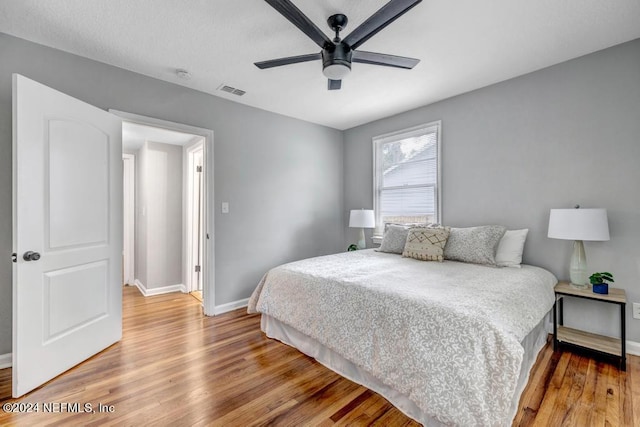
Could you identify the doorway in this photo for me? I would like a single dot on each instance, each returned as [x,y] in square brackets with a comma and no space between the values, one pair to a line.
[173,222]
[71,215]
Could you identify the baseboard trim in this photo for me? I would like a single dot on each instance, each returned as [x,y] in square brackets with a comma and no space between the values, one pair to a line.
[5,361]
[230,306]
[158,291]
[633,347]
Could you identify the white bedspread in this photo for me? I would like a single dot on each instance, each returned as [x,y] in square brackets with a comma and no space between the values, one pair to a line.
[445,334]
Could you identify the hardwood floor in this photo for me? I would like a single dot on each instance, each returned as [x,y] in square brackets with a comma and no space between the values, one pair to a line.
[177,367]
[197,295]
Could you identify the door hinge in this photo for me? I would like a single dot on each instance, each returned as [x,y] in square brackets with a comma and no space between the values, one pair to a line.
[197,269]
[198,168]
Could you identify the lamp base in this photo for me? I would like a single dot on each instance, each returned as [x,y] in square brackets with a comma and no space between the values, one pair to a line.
[578,267]
[362,244]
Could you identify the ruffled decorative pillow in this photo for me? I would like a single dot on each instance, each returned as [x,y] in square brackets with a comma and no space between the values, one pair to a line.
[426,244]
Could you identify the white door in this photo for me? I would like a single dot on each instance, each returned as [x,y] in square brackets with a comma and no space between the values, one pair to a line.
[67,209]
[196,210]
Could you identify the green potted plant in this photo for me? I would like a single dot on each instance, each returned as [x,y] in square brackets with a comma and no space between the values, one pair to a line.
[599,282]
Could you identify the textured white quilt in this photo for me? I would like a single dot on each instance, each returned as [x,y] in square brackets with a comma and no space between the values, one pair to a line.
[447,335]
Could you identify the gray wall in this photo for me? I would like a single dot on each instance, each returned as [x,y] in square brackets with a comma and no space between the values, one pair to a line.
[560,136]
[282,177]
[159,215]
[563,135]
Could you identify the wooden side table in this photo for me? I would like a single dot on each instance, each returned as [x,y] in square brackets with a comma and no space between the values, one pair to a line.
[594,342]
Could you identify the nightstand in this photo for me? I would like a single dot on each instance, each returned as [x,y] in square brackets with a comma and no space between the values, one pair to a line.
[586,340]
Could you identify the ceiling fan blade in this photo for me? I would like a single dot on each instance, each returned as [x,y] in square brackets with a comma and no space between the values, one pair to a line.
[288,60]
[376,22]
[334,84]
[384,59]
[300,20]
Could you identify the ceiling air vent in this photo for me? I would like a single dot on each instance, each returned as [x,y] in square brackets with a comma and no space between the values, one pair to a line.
[232,90]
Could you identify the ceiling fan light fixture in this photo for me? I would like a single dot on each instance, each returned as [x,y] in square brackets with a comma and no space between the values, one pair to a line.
[338,53]
[336,62]
[336,71]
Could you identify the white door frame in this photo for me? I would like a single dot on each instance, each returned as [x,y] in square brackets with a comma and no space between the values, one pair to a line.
[188,211]
[129,168]
[208,268]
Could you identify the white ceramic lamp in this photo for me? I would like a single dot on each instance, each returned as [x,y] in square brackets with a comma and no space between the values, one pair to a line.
[362,218]
[579,225]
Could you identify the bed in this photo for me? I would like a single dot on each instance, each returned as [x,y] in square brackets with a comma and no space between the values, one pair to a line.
[448,343]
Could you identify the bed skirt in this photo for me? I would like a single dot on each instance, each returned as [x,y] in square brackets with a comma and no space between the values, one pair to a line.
[532,344]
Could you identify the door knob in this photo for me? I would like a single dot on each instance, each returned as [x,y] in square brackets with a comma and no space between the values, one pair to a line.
[31,256]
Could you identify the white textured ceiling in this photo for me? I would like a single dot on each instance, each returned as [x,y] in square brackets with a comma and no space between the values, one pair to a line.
[463,45]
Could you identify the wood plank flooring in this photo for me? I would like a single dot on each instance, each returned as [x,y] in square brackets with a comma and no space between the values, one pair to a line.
[177,367]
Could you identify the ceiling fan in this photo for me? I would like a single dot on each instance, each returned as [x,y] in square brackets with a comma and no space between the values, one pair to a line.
[338,54]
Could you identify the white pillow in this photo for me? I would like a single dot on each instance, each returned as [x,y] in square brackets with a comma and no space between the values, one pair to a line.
[510,248]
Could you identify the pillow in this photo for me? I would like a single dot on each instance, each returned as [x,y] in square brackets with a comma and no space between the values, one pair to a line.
[510,248]
[475,245]
[395,236]
[426,244]
[394,242]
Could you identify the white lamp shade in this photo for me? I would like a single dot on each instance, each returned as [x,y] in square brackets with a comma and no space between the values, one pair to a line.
[579,224]
[362,218]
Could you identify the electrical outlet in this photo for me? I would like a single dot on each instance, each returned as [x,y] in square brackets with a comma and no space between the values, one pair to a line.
[636,310]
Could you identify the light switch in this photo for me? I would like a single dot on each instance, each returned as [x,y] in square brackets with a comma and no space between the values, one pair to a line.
[225,207]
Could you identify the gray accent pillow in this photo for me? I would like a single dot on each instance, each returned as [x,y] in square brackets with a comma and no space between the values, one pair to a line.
[394,239]
[475,245]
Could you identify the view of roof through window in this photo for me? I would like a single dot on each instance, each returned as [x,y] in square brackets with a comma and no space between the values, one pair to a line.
[409,179]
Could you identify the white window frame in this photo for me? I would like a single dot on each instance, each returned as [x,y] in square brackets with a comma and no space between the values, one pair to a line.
[378,142]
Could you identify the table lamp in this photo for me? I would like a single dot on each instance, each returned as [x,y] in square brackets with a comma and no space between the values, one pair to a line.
[362,218]
[578,225]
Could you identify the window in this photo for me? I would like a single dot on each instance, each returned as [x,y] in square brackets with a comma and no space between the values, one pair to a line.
[407,176]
